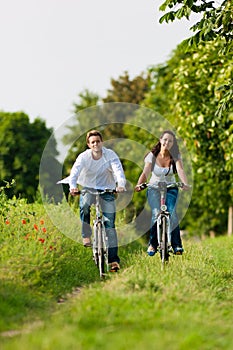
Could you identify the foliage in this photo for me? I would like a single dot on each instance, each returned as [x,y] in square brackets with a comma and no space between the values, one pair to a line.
[216,24]
[38,264]
[128,90]
[21,148]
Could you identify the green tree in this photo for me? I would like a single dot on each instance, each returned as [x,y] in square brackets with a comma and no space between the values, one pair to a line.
[124,89]
[21,148]
[215,24]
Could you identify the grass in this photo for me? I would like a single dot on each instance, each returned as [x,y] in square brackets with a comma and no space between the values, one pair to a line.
[186,305]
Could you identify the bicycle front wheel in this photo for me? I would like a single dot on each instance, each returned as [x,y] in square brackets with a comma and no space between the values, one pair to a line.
[100,249]
[164,246]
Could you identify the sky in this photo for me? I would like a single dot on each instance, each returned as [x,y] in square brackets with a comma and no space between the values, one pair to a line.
[52,50]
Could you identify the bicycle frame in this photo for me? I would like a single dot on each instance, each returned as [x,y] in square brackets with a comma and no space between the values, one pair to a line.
[163,224]
[100,240]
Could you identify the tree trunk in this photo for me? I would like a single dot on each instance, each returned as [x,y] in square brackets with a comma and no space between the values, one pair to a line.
[230,221]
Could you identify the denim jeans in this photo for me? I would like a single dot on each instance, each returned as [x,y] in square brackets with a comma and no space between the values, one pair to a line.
[107,203]
[153,196]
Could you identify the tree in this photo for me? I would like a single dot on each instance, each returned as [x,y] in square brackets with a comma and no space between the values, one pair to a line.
[216,24]
[21,148]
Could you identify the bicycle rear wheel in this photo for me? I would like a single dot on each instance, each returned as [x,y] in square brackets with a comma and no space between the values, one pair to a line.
[164,254]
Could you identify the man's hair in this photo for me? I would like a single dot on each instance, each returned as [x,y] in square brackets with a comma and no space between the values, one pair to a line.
[93,133]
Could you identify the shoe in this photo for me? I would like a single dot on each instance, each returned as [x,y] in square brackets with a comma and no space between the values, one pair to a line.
[87,242]
[151,250]
[114,267]
[178,250]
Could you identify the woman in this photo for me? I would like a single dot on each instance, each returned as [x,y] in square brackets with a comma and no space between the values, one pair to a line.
[163,162]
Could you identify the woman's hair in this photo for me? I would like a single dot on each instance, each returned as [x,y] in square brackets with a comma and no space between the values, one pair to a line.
[93,133]
[174,151]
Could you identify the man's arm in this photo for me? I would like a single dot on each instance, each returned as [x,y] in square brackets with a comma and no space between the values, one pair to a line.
[118,174]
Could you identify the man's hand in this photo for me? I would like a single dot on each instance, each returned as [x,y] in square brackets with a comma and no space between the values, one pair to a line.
[74,191]
[137,188]
[120,189]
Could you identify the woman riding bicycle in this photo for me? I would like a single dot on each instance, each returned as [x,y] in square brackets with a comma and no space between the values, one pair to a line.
[163,162]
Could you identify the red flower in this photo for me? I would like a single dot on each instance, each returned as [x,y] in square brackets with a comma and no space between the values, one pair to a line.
[36,227]
[41,222]
[41,240]
[7,222]
[23,221]
[44,229]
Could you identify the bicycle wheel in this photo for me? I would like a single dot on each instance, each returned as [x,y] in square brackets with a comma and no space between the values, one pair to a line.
[164,250]
[95,245]
[100,249]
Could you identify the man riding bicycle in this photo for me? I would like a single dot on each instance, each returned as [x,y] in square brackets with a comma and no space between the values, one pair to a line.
[98,168]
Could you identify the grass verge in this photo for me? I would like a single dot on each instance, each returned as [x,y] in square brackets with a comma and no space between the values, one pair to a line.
[186,305]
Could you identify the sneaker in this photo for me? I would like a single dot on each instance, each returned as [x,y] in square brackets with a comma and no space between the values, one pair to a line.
[114,267]
[178,250]
[87,242]
[151,250]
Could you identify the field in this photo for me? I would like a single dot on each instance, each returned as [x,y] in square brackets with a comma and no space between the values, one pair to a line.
[52,298]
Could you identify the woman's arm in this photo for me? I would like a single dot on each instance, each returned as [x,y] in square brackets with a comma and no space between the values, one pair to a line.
[143,177]
[181,173]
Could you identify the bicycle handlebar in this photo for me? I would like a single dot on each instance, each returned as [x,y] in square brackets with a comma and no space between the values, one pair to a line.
[95,192]
[162,184]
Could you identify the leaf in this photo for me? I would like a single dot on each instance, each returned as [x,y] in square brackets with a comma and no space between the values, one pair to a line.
[170,16]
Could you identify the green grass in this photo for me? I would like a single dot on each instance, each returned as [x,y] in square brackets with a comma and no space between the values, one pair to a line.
[186,305]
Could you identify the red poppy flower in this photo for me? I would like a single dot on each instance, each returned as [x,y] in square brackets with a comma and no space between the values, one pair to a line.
[35,227]
[23,221]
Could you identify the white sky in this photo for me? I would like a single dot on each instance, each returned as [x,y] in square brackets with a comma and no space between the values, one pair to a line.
[51,50]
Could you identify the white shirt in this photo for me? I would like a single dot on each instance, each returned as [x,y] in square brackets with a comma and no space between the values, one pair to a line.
[159,173]
[103,173]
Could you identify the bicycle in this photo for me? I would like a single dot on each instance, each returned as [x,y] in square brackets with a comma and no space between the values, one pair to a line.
[163,219]
[100,239]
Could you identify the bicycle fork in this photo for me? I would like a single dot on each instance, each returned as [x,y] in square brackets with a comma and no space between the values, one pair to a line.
[164,219]
[166,216]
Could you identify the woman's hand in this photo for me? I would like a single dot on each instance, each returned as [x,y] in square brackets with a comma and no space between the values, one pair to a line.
[186,187]
[137,188]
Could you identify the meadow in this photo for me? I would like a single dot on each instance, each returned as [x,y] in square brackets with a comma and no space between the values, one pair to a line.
[52,297]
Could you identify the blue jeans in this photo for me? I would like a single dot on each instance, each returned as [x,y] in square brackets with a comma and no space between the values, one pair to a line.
[107,203]
[153,197]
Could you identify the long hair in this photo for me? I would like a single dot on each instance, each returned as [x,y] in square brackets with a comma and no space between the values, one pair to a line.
[174,151]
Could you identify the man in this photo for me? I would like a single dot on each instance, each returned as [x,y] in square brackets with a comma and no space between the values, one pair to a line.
[98,168]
